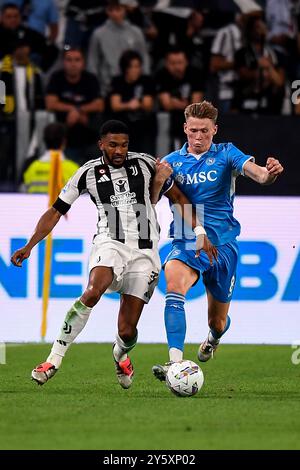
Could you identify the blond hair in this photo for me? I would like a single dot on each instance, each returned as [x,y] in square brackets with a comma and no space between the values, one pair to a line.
[202,110]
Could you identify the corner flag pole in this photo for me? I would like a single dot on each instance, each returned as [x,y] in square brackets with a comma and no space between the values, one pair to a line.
[54,187]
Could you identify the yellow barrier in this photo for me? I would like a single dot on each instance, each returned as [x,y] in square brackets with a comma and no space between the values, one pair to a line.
[55,185]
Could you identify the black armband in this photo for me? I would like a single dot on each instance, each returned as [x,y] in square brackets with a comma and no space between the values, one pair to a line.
[61,206]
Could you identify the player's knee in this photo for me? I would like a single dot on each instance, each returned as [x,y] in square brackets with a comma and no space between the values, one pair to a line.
[91,295]
[176,285]
[217,324]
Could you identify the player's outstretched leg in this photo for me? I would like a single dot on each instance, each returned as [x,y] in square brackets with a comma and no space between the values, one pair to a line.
[175,325]
[123,364]
[75,320]
[100,278]
[209,346]
[219,323]
[130,311]
[160,370]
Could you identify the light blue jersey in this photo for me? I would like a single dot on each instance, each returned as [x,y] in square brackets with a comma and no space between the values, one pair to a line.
[209,184]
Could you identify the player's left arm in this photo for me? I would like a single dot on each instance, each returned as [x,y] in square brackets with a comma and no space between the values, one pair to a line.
[264,175]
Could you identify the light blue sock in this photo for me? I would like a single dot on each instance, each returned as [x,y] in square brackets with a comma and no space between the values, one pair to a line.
[175,320]
[214,335]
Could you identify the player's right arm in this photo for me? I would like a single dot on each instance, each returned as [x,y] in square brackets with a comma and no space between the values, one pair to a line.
[264,175]
[161,181]
[44,226]
[49,219]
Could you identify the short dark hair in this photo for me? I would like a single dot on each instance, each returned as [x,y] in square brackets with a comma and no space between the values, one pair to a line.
[113,3]
[54,135]
[21,42]
[127,57]
[68,48]
[175,50]
[8,6]
[113,127]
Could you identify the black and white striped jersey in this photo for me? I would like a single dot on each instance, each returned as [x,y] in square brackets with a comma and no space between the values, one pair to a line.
[122,198]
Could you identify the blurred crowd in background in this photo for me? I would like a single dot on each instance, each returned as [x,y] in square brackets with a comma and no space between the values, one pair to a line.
[69,65]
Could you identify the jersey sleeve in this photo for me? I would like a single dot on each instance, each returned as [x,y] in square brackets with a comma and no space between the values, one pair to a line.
[237,159]
[71,191]
[150,161]
[168,183]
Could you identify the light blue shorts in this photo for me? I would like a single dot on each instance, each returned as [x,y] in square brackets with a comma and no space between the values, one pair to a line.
[219,278]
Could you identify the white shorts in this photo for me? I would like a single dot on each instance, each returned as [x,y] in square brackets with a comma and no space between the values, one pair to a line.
[135,271]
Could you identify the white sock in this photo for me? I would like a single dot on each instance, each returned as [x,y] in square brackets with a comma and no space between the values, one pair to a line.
[212,340]
[74,323]
[121,348]
[175,354]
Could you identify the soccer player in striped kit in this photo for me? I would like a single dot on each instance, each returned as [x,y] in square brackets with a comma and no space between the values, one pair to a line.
[124,256]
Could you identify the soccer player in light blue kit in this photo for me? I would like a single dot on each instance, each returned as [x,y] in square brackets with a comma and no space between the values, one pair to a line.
[206,172]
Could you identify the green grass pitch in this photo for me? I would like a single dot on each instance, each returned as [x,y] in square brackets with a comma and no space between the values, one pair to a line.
[250,400]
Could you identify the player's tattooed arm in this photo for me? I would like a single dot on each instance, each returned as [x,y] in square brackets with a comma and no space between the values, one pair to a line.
[264,175]
[44,226]
[163,171]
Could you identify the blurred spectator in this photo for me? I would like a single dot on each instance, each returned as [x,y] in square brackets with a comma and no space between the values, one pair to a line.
[23,93]
[83,17]
[74,95]
[178,85]
[109,42]
[12,29]
[280,22]
[261,83]
[18,3]
[249,6]
[132,101]
[227,42]
[43,15]
[137,16]
[282,31]
[194,40]
[171,24]
[37,173]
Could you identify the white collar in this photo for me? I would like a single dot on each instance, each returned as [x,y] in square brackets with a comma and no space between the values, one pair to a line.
[198,155]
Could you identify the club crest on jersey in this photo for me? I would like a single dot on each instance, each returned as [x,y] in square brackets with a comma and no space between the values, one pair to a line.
[210,161]
[180,178]
[134,170]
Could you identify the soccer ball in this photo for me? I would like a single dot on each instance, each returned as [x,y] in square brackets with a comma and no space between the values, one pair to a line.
[184,378]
